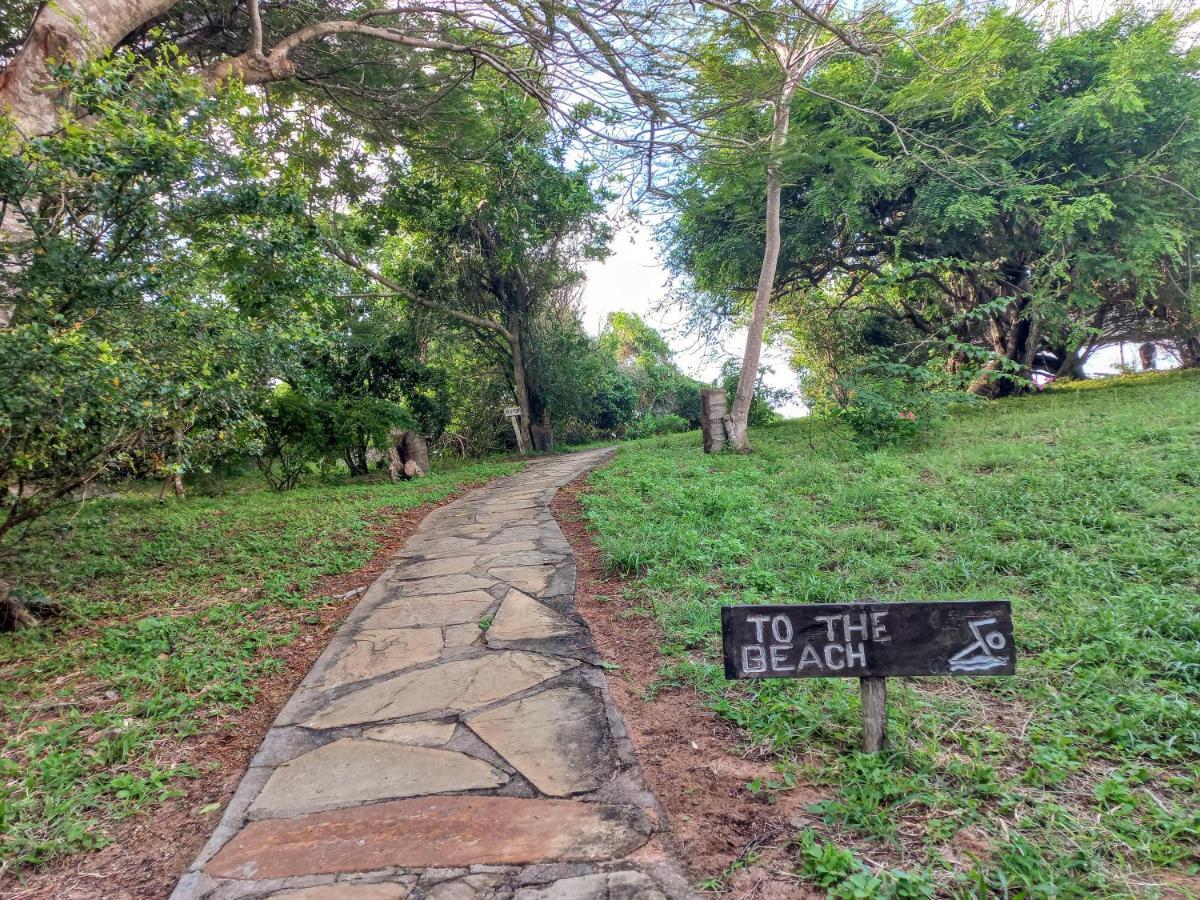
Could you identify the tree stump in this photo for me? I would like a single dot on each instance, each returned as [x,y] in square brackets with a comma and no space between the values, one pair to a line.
[542,437]
[713,403]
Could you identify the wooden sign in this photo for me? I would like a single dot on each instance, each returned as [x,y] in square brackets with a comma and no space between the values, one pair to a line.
[510,411]
[843,640]
[869,641]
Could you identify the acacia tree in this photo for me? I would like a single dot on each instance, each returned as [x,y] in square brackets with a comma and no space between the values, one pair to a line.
[719,84]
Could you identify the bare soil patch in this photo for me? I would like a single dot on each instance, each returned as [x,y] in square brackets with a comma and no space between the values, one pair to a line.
[686,752]
[150,851]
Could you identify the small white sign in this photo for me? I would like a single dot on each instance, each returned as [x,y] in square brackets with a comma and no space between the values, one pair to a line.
[512,411]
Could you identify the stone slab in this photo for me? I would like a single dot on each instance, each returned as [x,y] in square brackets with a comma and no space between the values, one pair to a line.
[442,584]
[458,685]
[629,885]
[357,770]
[349,891]
[431,832]
[530,579]
[379,651]
[520,618]
[425,734]
[448,565]
[463,635]
[437,609]
[558,739]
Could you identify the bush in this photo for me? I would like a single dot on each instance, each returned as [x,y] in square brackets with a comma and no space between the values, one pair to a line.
[298,431]
[650,425]
[890,404]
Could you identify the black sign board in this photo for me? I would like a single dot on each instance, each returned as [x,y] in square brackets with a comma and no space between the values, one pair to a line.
[868,640]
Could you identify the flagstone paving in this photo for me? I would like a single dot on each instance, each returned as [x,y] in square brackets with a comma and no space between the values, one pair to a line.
[456,740]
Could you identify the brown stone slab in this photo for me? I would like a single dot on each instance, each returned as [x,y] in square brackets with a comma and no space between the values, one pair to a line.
[431,832]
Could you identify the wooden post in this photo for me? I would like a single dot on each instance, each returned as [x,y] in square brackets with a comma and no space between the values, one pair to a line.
[874,713]
[517,431]
[712,419]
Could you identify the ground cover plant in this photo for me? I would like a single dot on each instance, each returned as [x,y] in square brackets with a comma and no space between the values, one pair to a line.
[171,616]
[1077,777]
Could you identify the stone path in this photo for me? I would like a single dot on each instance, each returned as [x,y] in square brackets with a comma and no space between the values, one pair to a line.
[456,739]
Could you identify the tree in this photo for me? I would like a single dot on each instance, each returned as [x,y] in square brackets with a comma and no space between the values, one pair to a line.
[1072,217]
[491,244]
[132,340]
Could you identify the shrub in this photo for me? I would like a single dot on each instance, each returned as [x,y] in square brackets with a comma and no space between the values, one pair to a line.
[650,425]
[890,404]
[298,431]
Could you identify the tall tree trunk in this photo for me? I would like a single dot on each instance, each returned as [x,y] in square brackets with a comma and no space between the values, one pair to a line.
[738,420]
[521,384]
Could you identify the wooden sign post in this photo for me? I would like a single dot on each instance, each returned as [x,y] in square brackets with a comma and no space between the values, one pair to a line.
[514,413]
[869,641]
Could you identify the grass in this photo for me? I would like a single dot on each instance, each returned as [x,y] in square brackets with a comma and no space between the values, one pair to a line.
[173,615]
[1080,775]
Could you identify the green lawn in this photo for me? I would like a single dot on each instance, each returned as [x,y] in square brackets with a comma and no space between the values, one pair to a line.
[172,613]
[1082,505]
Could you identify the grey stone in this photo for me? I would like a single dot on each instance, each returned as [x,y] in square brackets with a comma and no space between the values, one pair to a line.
[463,635]
[396,890]
[629,885]
[433,609]
[432,568]
[350,771]
[442,584]
[530,579]
[458,685]
[558,739]
[379,651]
[520,617]
[425,734]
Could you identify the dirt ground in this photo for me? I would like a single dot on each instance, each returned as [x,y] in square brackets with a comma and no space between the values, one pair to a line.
[685,751]
[149,852]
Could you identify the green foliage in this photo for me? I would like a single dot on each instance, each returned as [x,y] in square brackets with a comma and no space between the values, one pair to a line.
[890,404]
[1075,777]
[651,424]
[1020,194]
[129,340]
[765,398]
[173,617]
[298,430]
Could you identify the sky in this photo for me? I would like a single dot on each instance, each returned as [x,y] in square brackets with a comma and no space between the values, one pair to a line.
[633,280]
